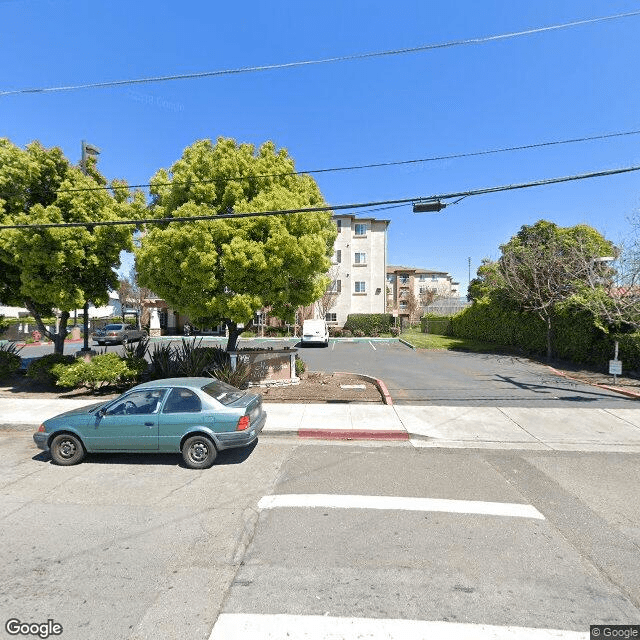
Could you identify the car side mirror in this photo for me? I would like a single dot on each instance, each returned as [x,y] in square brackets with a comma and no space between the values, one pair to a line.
[102,413]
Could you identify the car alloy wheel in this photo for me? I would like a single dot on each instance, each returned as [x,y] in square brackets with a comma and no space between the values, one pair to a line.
[199,452]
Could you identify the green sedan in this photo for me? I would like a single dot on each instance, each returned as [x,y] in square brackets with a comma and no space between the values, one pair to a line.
[194,416]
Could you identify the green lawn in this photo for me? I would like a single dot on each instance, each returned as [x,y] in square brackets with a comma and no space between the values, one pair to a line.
[433,341]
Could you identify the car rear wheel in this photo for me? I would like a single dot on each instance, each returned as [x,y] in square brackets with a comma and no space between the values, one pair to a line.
[66,449]
[199,452]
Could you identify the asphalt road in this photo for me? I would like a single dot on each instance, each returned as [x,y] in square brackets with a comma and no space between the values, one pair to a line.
[127,546]
[436,377]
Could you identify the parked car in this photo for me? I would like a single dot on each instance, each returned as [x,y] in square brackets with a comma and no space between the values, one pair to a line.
[115,333]
[315,332]
[194,416]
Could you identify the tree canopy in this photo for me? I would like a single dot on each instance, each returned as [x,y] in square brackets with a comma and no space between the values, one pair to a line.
[227,269]
[59,268]
[541,267]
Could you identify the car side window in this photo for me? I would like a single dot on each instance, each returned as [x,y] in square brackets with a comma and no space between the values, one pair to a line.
[182,401]
[137,403]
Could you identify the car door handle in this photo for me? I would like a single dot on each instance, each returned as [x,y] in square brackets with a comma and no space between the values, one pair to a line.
[149,424]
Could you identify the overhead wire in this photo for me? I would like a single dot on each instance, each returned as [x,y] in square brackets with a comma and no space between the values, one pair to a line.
[340,207]
[453,156]
[319,61]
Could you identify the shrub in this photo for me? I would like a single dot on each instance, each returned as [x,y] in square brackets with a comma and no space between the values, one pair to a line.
[41,369]
[136,349]
[10,361]
[300,366]
[162,362]
[395,331]
[104,370]
[346,333]
[335,332]
[238,377]
[369,323]
[433,323]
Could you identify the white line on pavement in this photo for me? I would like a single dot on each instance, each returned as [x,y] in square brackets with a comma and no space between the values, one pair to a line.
[371,343]
[282,627]
[400,503]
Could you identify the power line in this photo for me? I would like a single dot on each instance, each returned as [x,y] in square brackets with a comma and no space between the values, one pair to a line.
[340,207]
[303,63]
[375,165]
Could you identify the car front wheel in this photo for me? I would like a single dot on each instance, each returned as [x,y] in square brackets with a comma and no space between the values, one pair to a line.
[199,452]
[66,450]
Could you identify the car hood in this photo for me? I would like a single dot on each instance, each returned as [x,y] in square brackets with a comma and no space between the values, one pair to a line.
[80,411]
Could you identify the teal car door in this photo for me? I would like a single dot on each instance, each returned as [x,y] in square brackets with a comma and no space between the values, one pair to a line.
[182,410]
[128,424]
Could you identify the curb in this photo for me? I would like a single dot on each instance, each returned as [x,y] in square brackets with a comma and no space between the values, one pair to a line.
[629,394]
[352,434]
[382,387]
[407,344]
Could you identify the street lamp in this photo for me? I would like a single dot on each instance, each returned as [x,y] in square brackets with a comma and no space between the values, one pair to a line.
[87,150]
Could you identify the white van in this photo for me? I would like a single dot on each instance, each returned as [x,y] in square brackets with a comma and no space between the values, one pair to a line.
[315,332]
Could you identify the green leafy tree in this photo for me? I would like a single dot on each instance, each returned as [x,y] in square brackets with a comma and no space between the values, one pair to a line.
[225,270]
[544,266]
[59,268]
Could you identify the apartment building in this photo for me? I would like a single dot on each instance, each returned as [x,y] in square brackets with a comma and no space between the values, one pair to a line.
[358,270]
[409,289]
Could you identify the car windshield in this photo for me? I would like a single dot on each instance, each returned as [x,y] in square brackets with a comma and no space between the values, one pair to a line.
[113,327]
[222,392]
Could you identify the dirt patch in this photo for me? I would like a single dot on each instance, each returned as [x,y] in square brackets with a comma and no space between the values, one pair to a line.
[314,387]
[320,387]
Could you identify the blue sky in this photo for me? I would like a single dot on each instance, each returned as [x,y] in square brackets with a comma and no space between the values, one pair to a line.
[578,82]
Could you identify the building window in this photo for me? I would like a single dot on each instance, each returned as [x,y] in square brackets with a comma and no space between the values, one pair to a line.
[337,257]
[403,304]
[360,286]
[391,277]
[361,229]
[423,277]
[361,258]
[339,224]
[331,317]
[434,277]
[335,287]
[404,279]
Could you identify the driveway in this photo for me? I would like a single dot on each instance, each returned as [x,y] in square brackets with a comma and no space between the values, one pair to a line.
[456,378]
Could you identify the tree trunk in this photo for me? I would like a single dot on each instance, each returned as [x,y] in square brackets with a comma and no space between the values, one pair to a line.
[57,338]
[549,338]
[234,334]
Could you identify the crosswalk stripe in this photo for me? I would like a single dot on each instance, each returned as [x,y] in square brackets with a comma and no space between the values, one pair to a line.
[399,503]
[286,627]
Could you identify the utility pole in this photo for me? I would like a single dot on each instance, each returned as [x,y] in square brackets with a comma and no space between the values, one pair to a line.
[87,150]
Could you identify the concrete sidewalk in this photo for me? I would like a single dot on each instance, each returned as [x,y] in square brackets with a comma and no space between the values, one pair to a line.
[571,429]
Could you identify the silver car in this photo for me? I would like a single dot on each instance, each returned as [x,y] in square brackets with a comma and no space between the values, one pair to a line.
[119,333]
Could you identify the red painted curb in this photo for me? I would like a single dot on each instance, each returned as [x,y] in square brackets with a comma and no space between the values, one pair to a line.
[624,392]
[352,434]
[382,387]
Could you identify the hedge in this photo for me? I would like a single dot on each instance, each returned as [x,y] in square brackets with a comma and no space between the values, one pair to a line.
[370,324]
[433,323]
[575,336]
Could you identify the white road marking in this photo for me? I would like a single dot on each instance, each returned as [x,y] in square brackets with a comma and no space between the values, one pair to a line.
[286,627]
[371,343]
[400,503]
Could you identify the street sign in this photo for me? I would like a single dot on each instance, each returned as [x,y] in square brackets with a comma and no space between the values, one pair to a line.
[615,367]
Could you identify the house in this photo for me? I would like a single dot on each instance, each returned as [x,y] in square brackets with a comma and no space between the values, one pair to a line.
[357,270]
[409,290]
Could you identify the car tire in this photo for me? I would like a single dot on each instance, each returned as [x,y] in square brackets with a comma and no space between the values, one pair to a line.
[100,344]
[199,452]
[66,449]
